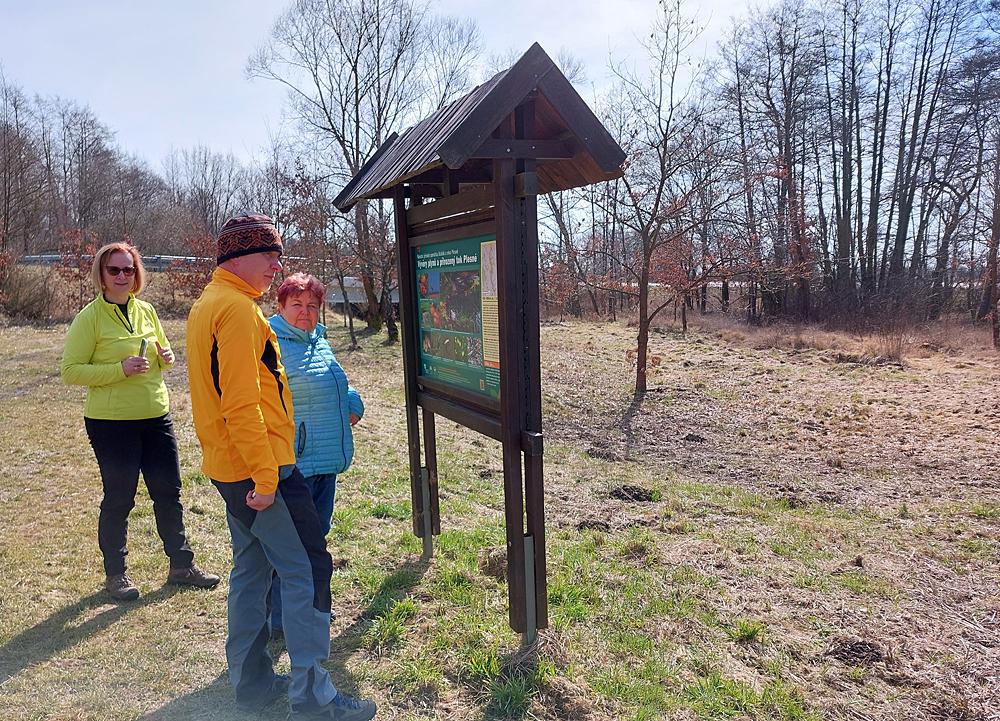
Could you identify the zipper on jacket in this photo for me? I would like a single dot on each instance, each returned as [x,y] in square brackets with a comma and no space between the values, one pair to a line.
[345,423]
[122,316]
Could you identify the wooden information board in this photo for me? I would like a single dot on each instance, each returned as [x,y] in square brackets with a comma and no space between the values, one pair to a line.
[464,184]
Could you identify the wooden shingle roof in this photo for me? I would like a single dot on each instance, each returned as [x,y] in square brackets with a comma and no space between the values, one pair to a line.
[451,137]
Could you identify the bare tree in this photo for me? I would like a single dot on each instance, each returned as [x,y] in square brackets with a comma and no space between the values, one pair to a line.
[355,71]
[663,144]
[21,178]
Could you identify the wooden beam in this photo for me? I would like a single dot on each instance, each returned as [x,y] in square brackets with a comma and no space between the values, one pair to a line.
[462,176]
[507,94]
[450,185]
[580,119]
[408,324]
[457,232]
[424,190]
[451,205]
[532,444]
[430,453]
[511,296]
[534,149]
[526,220]
[477,401]
[526,184]
[483,423]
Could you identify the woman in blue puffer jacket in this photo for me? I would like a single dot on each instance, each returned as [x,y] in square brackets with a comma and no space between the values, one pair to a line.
[326,406]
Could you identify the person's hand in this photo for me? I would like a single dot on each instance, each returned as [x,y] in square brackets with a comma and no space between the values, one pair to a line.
[165,353]
[135,364]
[354,419]
[259,501]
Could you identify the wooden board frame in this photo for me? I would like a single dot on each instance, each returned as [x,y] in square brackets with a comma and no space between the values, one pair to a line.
[485,157]
[507,209]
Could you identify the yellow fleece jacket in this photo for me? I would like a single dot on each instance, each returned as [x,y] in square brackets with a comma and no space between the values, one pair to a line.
[97,342]
[240,400]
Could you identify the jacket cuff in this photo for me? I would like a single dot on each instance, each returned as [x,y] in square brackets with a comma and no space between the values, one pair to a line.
[266,483]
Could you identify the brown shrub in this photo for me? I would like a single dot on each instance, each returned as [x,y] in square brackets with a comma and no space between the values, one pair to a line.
[954,335]
[796,337]
[27,294]
[888,343]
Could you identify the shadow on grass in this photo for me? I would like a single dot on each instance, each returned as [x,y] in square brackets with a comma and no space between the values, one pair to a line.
[394,587]
[213,702]
[25,388]
[367,331]
[59,631]
[628,419]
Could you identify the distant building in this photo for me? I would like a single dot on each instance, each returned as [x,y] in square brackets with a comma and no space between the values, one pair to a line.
[355,295]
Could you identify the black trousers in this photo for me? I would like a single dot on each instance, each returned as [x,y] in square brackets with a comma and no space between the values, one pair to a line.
[123,448]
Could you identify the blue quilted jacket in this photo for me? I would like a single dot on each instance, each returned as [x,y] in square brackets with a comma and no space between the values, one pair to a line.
[321,398]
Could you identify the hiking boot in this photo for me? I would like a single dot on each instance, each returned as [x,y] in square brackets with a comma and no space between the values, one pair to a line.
[278,689]
[342,708]
[121,588]
[193,576]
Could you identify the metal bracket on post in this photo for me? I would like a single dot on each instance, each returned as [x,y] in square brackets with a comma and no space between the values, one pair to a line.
[425,492]
[530,611]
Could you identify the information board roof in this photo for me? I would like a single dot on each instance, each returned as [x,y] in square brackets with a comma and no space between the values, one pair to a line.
[583,152]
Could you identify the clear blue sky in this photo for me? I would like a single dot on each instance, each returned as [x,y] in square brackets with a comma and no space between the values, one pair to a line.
[168,75]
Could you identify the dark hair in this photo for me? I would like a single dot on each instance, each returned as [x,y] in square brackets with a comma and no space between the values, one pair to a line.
[300,283]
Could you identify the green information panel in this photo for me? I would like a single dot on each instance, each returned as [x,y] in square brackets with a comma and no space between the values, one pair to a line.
[459,314]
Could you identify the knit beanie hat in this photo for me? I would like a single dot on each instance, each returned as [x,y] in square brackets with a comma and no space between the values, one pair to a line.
[246,234]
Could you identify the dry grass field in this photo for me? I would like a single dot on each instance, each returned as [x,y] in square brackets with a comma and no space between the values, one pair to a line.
[788,525]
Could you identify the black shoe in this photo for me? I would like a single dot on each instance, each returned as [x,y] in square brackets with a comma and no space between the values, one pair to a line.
[193,576]
[279,689]
[342,708]
[121,588]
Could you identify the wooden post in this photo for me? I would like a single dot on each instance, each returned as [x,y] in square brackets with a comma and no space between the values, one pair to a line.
[510,296]
[526,219]
[430,454]
[429,474]
[408,323]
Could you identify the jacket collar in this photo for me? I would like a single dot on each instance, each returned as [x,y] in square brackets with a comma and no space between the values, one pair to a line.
[284,329]
[108,303]
[113,308]
[221,276]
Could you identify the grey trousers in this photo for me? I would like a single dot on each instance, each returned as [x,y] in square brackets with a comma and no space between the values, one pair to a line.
[287,538]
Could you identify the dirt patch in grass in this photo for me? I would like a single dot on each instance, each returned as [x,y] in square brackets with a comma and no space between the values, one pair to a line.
[863,435]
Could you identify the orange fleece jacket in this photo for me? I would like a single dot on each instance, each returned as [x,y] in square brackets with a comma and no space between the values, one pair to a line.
[240,400]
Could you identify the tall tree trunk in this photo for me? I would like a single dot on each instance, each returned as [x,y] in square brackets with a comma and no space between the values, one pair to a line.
[642,338]
[365,270]
[755,262]
[989,300]
[389,314]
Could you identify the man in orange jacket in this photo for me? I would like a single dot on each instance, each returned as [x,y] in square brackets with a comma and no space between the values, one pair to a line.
[242,412]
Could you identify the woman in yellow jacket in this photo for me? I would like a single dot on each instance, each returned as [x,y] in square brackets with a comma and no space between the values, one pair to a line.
[108,349]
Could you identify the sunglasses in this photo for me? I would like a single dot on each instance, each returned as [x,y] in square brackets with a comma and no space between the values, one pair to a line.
[114,270]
